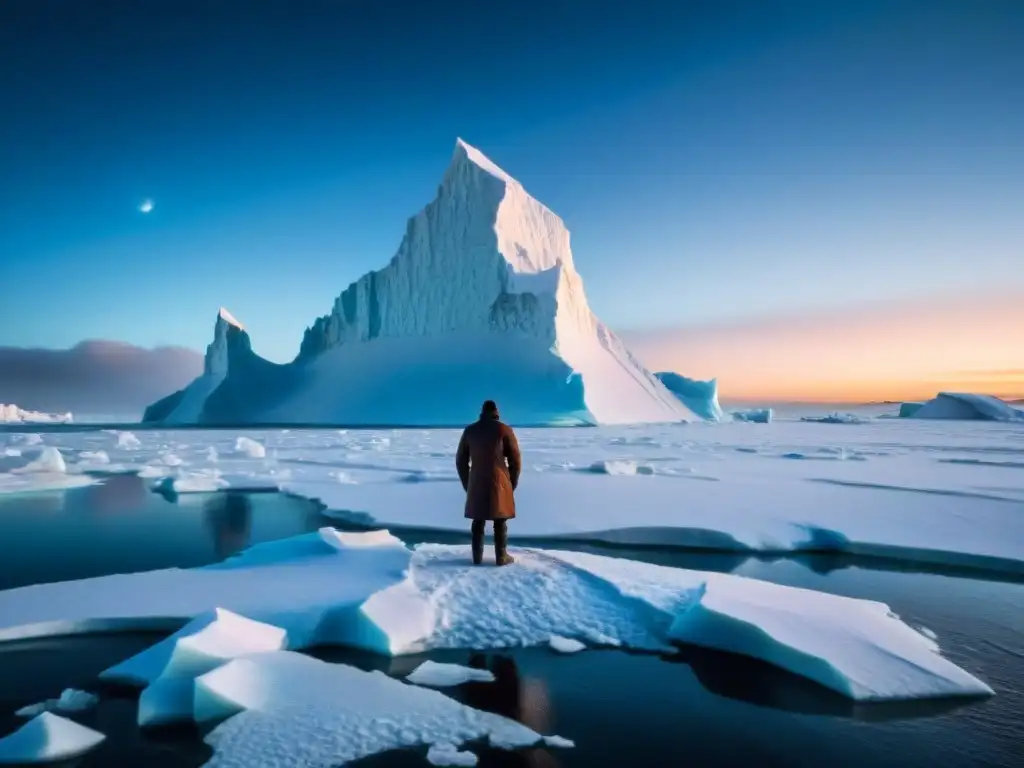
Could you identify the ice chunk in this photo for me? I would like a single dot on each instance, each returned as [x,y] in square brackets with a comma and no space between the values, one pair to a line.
[449,754]
[49,459]
[303,711]
[565,644]
[250,447]
[166,701]
[619,467]
[94,457]
[834,418]
[199,646]
[858,648]
[70,700]
[435,675]
[127,441]
[560,742]
[48,738]
[755,415]
[200,481]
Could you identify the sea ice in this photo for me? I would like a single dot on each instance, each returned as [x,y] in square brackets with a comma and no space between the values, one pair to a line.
[450,755]
[37,469]
[70,700]
[296,710]
[369,591]
[565,644]
[47,738]
[436,675]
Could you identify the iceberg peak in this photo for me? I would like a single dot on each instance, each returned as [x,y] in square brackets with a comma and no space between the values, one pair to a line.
[228,318]
[465,152]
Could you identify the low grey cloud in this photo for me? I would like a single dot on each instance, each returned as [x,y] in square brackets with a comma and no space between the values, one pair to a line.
[108,378]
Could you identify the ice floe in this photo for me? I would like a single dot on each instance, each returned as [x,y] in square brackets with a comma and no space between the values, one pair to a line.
[369,591]
[48,738]
[436,675]
[70,700]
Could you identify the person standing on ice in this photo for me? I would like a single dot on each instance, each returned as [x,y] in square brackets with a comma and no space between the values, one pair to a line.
[488,462]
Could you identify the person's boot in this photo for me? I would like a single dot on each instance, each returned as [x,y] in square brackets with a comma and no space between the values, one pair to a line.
[501,555]
[478,545]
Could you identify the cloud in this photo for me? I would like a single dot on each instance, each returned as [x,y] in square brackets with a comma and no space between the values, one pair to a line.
[94,377]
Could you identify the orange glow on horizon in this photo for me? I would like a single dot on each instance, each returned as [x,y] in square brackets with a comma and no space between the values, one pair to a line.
[867,354]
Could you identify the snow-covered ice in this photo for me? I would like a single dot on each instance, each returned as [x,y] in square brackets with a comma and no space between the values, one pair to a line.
[70,700]
[450,755]
[482,296]
[437,675]
[12,414]
[370,591]
[37,468]
[48,738]
[296,710]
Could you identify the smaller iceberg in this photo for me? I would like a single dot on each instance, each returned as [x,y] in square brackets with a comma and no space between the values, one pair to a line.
[701,397]
[963,406]
[47,739]
[12,414]
[754,415]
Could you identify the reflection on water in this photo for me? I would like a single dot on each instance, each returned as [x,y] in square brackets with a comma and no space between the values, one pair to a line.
[228,517]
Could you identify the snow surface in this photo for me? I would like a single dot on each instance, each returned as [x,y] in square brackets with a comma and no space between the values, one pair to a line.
[481,301]
[295,710]
[369,591]
[70,700]
[47,738]
[968,407]
[436,675]
[12,414]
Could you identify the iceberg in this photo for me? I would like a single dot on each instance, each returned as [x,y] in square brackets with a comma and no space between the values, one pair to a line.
[963,406]
[701,397]
[370,591]
[48,738]
[70,700]
[755,415]
[12,414]
[481,301]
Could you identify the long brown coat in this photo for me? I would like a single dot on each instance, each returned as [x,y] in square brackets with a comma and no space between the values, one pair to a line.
[488,462]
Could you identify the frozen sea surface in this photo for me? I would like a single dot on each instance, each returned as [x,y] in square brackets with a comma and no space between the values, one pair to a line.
[628,709]
[949,493]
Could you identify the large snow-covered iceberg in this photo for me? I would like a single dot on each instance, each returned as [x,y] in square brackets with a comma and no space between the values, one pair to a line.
[963,406]
[482,300]
[701,397]
[372,592]
[12,414]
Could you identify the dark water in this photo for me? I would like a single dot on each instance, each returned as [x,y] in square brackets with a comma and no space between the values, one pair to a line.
[695,708]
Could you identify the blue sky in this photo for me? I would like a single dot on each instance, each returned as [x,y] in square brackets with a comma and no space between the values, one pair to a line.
[715,161]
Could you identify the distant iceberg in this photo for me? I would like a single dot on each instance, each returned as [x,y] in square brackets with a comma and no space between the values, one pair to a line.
[755,415]
[12,414]
[701,397]
[963,406]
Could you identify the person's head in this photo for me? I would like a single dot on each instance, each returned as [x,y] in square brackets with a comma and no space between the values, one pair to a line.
[489,410]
